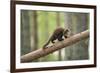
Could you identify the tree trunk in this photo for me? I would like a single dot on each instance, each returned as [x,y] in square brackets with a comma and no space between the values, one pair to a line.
[25,32]
[68,25]
[58,25]
[34,30]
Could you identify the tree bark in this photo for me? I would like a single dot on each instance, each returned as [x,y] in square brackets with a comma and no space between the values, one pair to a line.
[67,42]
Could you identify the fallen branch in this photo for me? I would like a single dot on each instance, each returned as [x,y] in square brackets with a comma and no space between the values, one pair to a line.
[40,52]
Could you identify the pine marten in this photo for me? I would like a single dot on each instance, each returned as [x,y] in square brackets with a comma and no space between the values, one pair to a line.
[57,34]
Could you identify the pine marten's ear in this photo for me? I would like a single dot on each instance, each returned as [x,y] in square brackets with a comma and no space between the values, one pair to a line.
[66,31]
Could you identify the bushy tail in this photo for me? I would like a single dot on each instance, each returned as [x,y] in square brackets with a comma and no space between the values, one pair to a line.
[44,46]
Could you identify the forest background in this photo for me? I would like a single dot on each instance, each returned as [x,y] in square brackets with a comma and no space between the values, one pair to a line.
[38,26]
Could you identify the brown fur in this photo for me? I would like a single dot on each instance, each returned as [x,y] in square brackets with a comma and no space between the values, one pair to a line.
[57,34]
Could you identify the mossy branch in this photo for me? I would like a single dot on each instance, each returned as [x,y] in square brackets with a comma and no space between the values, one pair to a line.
[57,46]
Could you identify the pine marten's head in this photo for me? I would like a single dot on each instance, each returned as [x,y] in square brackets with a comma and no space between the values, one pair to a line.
[66,33]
